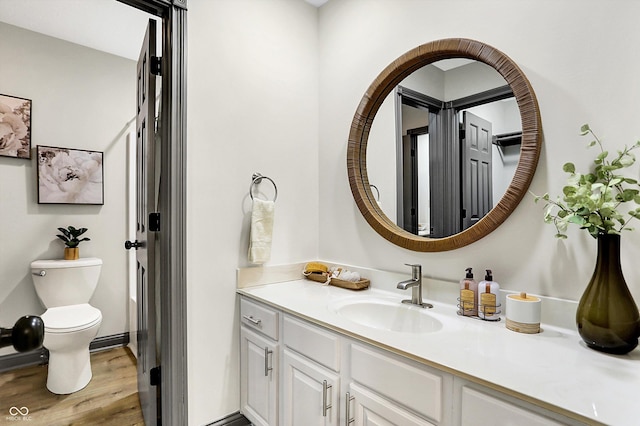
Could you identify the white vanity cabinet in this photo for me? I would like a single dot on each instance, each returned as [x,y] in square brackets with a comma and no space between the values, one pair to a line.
[311,378]
[259,355]
[297,373]
[310,392]
[387,389]
[481,406]
[367,408]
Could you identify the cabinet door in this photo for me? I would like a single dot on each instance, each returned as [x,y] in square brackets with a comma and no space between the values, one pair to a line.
[365,408]
[310,392]
[481,406]
[259,378]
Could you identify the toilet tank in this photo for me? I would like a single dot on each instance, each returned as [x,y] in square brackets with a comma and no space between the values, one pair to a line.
[65,282]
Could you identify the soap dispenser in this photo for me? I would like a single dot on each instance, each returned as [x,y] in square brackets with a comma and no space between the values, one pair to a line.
[488,296]
[468,294]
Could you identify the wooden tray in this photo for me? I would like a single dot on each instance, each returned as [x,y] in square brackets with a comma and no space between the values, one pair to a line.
[322,278]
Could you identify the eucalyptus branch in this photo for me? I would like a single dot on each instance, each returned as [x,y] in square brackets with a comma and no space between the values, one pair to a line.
[592,200]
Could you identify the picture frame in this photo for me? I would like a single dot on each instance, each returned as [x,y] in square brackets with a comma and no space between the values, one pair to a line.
[15,127]
[70,176]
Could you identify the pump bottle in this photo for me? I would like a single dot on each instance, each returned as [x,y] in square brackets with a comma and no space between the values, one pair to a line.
[488,297]
[469,294]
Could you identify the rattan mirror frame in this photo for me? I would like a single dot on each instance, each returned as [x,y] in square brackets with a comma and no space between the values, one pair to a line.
[386,81]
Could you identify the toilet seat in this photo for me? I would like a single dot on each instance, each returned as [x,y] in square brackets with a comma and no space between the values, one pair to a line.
[68,319]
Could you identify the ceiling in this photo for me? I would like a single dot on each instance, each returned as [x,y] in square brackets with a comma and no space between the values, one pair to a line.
[316,3]
[105,25]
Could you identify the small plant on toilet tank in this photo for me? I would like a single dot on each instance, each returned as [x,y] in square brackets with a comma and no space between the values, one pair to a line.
[71,238]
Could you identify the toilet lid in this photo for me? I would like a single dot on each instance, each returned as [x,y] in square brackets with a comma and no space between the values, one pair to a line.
[66,319]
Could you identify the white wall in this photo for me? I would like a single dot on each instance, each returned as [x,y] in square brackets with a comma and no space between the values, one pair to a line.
[82,99]
[571,52]
[253,107]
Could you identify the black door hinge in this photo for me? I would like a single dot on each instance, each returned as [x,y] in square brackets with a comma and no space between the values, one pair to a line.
[154,222]
[156,67]
[154,376]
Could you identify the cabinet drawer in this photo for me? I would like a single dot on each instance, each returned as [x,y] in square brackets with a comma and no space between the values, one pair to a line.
[259,317]
[481,409]
[396,379]
[312,342]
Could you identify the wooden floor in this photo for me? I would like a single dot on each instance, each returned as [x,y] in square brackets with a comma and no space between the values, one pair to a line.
[111,398]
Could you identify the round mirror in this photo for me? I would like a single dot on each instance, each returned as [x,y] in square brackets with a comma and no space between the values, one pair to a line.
[453,147]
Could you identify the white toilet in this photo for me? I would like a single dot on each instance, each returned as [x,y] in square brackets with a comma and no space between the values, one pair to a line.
[70,323]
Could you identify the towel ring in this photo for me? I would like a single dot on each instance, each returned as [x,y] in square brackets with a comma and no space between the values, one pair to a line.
[256,179]
[377,190]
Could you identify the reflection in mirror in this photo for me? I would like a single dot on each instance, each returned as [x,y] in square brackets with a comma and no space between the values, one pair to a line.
[438,150]
[448,214]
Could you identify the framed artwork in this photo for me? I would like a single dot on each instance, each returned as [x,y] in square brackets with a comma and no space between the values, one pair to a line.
[69,176]
[15,127]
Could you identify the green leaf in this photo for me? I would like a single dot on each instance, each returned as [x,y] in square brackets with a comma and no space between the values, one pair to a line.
[569,168]
[627,160]
[584,129]
[606,211]
[561,236]
[595,219]
[577,219]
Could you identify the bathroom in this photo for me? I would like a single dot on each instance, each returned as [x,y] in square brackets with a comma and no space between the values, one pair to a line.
[313,65]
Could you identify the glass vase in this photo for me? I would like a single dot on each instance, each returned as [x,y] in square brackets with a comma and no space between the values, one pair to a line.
[607,317]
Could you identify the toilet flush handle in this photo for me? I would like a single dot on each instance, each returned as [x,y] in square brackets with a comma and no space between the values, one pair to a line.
[39,274]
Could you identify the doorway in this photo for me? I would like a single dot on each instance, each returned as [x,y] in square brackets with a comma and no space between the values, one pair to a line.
[451,183]
[172,15]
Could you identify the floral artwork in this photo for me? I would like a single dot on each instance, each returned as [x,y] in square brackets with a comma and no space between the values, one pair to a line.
[15,127]
[69,176]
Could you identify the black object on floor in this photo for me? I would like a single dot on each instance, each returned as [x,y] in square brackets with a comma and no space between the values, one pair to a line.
[235,419]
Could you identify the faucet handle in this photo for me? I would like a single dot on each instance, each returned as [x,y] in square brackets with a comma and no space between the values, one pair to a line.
[416,269]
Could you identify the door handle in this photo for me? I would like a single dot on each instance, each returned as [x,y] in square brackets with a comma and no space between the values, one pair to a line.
[267,368]
[251,319]
[136,244]
[347,409]
[325,406]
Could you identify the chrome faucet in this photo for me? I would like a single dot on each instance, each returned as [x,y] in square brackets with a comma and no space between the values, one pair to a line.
[415,283]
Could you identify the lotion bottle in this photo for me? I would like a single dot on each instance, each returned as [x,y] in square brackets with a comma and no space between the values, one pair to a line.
[488,297]
[469,294]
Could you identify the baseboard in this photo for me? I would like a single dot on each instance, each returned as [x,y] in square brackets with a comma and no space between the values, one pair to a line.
[235,419]
[109,342]
[41,356]
[22,359]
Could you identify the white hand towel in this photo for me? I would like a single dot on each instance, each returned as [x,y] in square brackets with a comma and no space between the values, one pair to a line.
[261,231]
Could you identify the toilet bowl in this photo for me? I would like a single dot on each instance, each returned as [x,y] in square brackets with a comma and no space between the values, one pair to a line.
[68,331]
[70,322]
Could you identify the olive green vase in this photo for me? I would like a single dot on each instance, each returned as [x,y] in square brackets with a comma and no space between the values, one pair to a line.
[607,317]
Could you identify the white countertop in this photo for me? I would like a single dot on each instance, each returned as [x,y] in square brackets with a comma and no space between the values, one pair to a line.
[553,368]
